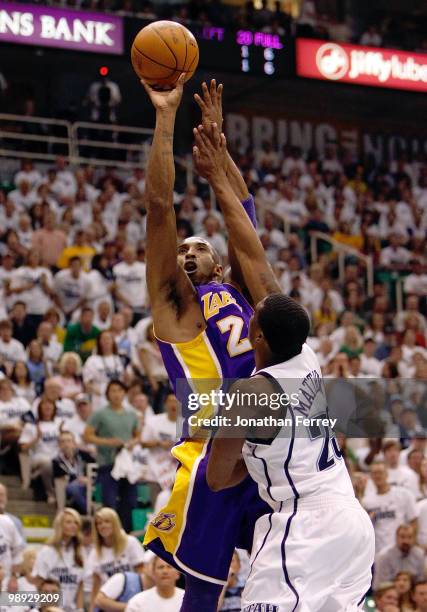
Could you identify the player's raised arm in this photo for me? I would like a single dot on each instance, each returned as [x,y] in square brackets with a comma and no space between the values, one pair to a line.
[226,467]
[169,288]
[210,158]
[210,103]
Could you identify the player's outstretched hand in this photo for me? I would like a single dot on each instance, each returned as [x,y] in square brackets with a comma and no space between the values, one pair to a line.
[209,151]
[166,100]
[210,103]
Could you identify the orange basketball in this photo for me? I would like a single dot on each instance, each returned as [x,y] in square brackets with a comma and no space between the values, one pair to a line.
[162,51]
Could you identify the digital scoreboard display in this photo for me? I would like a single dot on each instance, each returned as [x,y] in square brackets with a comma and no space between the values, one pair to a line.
[245,51]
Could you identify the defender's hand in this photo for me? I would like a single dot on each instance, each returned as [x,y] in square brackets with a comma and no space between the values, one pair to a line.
[166,100]
[211,104]
[209,152]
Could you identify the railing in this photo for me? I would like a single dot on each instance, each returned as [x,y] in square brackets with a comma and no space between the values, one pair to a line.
[399,293]
[98,144]
[342,251]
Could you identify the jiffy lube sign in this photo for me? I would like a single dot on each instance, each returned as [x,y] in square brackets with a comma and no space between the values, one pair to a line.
[67,29]
[360,65]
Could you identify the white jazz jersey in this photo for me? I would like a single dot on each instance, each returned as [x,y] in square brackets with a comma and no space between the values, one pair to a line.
[304,459]
[314,552]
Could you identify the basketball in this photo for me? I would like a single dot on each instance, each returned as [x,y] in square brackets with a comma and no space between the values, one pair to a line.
[162,51]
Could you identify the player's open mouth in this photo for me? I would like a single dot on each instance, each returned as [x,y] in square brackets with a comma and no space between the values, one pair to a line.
[190,267]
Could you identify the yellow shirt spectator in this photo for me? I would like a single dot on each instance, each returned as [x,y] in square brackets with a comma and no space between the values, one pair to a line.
[79,249]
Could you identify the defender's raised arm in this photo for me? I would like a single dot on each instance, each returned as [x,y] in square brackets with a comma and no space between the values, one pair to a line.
[210,158]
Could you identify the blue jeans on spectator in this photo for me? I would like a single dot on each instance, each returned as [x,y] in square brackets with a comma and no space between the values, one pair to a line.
[77,493]
[120,495]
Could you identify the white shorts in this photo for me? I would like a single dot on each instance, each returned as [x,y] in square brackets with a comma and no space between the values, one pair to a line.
[315,555]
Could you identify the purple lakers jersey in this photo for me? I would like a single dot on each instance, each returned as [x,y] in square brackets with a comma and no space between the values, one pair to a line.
[222,350]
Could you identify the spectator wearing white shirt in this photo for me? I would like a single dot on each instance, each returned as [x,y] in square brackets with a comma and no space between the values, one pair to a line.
[410,347]
[164,596]
[290,206]
[267,159]
[65,408]
[100,279]
[138,179]
[6,272]
[123,333]
[103,315]
[26,581]
[12,411]
[23,197]
[11,350]
[268,195]
[22,384]
[3,506]
[28,173]
[159,436]
[77,424]
[277,237]
[388,507]
[9,214]
[34,284]
[206,208]
[71,287]
[370,365]
[52,349]
[11,547]
[130,283]
[422,524]
[69,379]
[40,440]
[101,368]
[394,255]
[338,335]
[150,358]
[412,308]
[24,230]
[416,282]
[61,559]
[211,233]
[143,410]
[293,161]
[399,475]
[114,550]
[65,176]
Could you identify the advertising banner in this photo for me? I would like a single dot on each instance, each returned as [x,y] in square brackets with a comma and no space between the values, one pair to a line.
[330,61]
[66,29]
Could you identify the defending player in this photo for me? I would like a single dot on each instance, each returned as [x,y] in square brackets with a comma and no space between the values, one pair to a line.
[315,549]
[201,323]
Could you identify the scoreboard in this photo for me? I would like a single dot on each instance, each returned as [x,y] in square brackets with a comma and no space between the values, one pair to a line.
[245,51]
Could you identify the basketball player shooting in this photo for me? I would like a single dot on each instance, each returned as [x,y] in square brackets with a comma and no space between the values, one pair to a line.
[314,551]
[201,322]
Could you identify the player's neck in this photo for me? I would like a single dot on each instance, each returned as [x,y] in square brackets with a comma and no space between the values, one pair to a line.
[383,489]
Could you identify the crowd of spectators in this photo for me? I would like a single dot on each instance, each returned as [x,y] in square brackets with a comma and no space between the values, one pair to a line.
[82,379]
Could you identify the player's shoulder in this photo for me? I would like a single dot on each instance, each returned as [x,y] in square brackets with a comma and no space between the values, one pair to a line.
[257,384]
